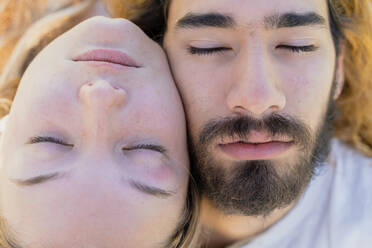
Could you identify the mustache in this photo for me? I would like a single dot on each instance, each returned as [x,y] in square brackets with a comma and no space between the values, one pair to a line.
[242,126]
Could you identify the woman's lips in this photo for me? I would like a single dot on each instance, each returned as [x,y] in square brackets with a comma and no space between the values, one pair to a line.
[255,151]
[110,56]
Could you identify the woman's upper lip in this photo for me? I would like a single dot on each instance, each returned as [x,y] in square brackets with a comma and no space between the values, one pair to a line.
[107,55]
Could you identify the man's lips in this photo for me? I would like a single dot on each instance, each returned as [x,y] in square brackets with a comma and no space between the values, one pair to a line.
[258,150]
[107,56]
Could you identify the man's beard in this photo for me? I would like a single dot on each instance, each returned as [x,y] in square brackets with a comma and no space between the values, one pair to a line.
[256,188]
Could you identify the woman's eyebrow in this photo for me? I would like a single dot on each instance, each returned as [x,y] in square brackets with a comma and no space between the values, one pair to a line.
[38,179]
[150,190]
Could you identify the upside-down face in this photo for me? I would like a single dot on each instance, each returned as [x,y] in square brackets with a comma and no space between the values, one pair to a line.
[94,153]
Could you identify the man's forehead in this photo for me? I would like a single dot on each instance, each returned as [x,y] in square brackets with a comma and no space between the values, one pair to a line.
[252,12]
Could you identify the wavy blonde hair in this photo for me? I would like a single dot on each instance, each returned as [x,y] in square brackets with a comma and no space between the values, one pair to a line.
[26,27]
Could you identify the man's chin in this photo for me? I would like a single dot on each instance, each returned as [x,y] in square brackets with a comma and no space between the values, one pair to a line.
[255,188]
[239,186]
[254,181]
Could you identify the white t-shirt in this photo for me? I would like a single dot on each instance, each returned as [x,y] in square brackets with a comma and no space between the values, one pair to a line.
[334,212]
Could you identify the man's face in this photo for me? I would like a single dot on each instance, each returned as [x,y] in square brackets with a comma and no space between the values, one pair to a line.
[256,78]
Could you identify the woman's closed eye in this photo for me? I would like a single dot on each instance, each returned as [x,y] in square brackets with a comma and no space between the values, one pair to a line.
[152,147]
[47,148]
[146,156]
[48,139]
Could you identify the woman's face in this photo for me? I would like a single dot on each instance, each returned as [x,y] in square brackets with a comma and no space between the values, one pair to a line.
[94,153]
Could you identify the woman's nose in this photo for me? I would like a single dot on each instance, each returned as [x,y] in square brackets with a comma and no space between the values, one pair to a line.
[100,101]
[102,95]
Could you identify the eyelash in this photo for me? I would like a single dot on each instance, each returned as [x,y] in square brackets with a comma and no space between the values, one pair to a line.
[298,49]
[48,139]
[209,51]
[145,147]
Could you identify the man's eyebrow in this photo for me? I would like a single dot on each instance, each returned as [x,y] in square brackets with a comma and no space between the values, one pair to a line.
[288,20]
[150,190]
[217,20]
[38,179]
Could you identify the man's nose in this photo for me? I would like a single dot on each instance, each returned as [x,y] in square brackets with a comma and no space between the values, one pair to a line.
[101,95]
[255,87]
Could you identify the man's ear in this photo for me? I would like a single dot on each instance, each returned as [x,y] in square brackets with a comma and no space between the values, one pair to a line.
[340,72]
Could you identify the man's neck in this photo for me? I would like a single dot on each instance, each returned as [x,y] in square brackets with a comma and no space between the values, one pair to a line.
[220,230]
